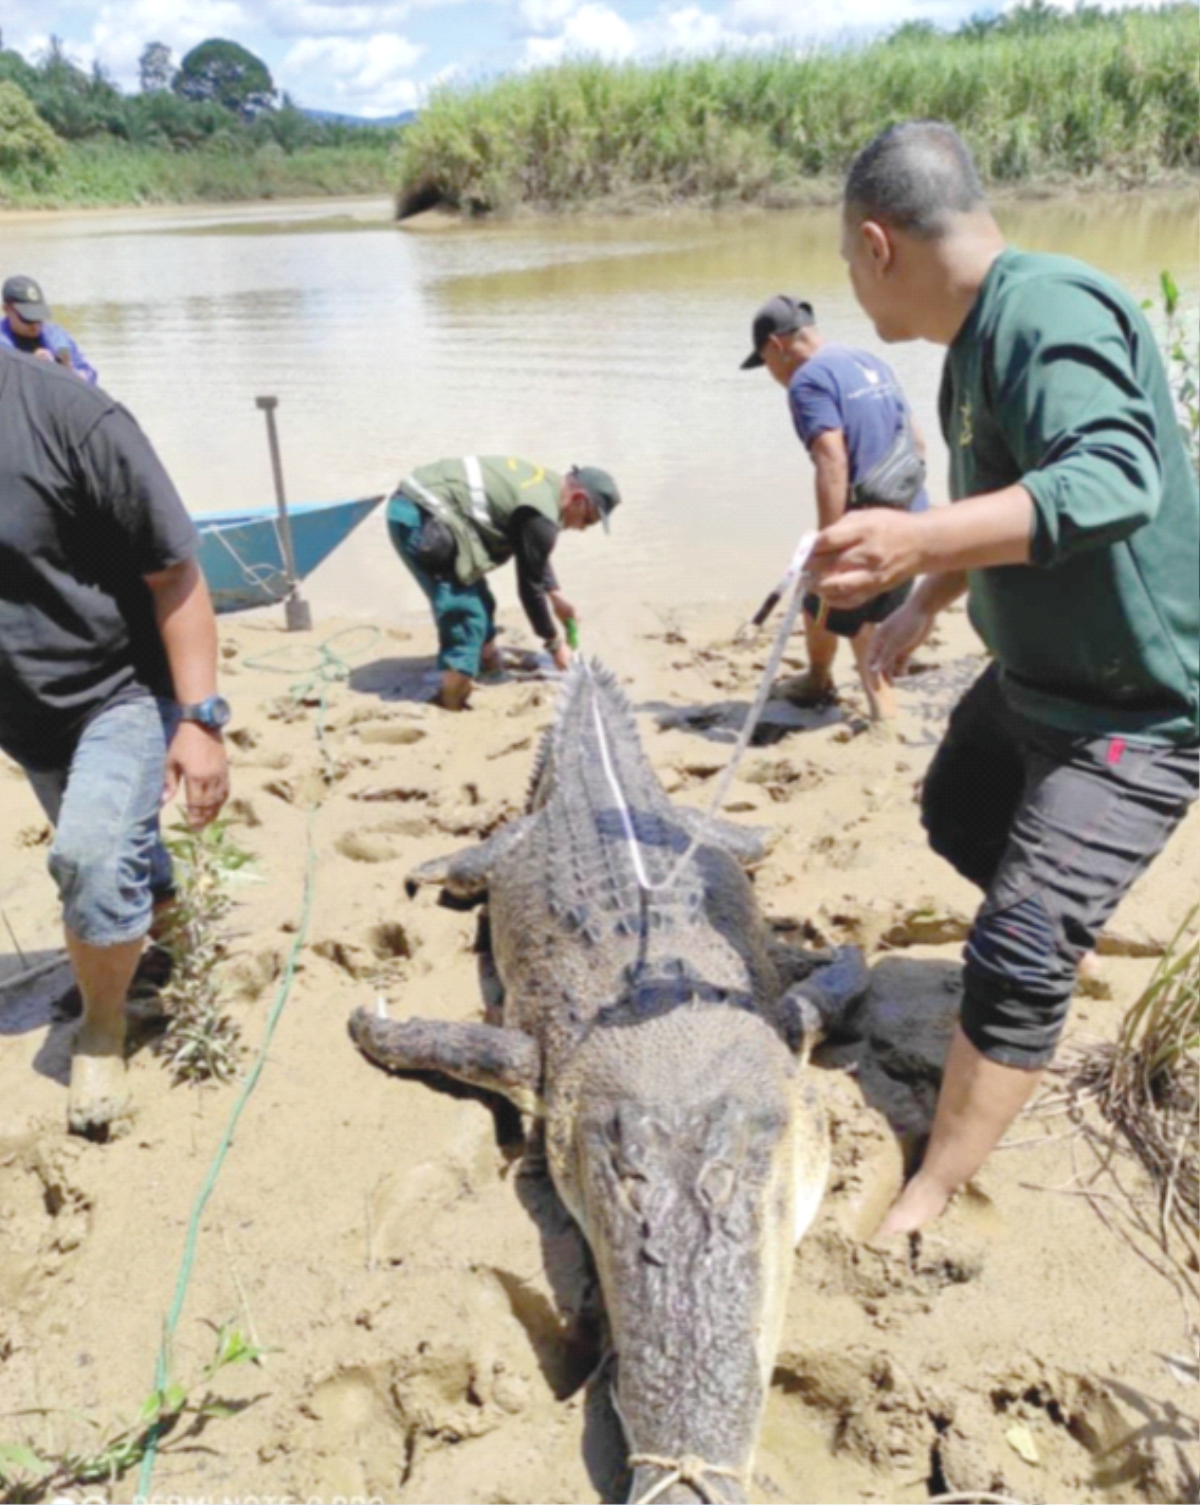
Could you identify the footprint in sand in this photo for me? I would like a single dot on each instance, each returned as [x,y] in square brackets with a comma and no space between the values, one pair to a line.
[392,733]
[384,843]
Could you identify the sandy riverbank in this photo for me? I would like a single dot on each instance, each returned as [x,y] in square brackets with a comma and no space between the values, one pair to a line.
[421,1299]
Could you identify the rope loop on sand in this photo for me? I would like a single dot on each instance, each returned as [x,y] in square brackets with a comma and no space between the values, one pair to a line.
[690,1470]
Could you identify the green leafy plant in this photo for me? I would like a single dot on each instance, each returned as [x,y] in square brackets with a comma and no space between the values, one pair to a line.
[201,1041]
[1179,342]
[30,1471]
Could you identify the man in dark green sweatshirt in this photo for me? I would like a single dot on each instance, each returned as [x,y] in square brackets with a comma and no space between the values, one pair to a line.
[1076,535]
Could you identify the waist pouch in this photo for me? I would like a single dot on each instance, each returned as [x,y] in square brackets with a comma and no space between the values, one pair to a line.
[894,480]
[435,549]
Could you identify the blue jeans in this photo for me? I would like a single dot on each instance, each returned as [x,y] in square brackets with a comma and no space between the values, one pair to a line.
[107,857]
[465,614]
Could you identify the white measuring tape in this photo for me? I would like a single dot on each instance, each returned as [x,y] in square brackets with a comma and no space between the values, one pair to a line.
[790,586]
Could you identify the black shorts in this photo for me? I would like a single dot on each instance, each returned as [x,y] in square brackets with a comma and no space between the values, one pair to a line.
[1054,827]
[845,624]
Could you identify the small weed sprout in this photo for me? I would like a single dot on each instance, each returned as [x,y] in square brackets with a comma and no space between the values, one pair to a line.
[1178,339]
[30,1472]
[201,1041]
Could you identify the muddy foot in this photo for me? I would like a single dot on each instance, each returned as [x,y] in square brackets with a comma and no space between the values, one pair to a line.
[99,1105]
[807,689]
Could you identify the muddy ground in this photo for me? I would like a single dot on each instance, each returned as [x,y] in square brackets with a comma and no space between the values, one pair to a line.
[428,1317]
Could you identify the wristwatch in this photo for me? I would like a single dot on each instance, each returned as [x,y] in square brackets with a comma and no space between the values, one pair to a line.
[212,714]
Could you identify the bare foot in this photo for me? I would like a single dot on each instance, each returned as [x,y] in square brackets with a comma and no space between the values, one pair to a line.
[918,1204]
[99,1105]
[812,688]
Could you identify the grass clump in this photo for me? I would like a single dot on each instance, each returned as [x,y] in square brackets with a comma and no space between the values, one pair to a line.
[104,170]
[202,1040]
[1147,1085]
[1089,96]
[30,1471]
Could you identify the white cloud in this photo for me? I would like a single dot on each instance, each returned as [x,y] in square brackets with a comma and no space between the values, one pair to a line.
[362,77]
[544,15]
[120,33]
[593,30]
[323,18]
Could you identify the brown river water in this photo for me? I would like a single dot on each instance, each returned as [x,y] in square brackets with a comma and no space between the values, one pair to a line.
[608,341]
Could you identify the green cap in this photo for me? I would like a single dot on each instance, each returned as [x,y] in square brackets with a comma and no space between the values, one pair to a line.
[600,487]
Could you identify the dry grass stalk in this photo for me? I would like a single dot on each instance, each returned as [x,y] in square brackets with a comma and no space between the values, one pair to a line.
[1148,1086]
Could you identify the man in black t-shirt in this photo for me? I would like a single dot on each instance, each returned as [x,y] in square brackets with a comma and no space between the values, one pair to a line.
[107,684]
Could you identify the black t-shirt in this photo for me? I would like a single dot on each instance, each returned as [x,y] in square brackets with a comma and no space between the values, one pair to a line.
[86,510]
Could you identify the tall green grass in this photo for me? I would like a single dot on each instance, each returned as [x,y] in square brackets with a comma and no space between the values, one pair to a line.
[106,171]
[1116,98]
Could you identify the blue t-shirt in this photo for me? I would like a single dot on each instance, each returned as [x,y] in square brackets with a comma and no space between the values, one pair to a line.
[55,339]
[850,390]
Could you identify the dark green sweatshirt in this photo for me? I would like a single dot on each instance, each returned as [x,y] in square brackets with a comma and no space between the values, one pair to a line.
[1055,381]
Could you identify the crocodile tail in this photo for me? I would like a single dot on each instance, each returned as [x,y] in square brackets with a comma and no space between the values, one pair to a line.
[589,685]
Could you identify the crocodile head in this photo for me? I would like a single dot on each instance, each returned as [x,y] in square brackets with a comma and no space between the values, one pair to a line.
[687,1150]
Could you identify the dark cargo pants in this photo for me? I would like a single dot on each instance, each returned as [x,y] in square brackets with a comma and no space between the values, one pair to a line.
[1054,828]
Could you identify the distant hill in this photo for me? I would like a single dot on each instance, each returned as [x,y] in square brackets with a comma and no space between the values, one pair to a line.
[334,117]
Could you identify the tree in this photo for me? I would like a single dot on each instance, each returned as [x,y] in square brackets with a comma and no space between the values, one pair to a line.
[155,67]
[26,141]
[227,74]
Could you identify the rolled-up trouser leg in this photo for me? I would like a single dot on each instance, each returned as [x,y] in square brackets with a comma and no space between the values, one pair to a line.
[1093,816]
[107,857]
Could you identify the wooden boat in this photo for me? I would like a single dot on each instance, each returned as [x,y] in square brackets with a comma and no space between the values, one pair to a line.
[242,556]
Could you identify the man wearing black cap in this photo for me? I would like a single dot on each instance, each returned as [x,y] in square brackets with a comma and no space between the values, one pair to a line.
[852,418]
[27,327]
[454,520]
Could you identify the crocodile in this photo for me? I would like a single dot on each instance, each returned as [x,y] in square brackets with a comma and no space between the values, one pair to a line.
[661,1035]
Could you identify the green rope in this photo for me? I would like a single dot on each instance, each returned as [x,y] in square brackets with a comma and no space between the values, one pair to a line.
[326,669]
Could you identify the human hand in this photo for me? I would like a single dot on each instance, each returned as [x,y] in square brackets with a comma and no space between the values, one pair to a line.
[197,757]
[863,554]
[42,354]
[896,638]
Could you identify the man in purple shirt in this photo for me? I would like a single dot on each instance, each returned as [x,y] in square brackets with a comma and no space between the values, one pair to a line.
[27,327]
[851,416]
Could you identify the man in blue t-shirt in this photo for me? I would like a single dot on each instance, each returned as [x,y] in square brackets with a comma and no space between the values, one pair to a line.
[849,413]
[27,327]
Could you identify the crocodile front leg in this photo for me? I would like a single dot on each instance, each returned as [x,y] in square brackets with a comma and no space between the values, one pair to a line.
[823,1003]
[748,844]
[482,1055]
[465,873]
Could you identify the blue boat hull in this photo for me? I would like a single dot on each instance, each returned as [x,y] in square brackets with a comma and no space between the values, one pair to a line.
[242,556]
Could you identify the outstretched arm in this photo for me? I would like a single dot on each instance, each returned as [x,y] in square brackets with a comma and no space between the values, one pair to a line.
[184,614]
[875,549]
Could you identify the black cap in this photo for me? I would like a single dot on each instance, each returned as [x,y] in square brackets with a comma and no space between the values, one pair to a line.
[779,315]
[600,487]
[26,297]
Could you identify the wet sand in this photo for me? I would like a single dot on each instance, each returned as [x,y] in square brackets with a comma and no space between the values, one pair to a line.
[426,1307]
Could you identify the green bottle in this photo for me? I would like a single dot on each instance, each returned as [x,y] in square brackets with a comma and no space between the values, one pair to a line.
[572,628]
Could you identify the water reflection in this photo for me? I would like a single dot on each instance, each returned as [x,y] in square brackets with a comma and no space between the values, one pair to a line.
[613,342]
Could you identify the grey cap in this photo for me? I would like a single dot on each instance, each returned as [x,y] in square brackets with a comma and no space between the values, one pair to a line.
[778,315]
[27,298]
[600,487]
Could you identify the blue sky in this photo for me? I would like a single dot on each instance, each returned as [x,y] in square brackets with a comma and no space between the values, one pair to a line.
[376,57]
